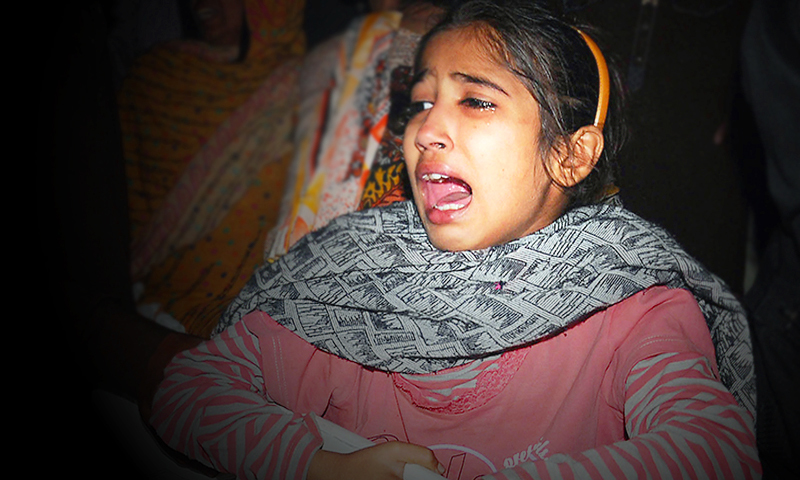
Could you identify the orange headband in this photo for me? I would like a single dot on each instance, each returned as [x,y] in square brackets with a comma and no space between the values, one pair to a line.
[602,72]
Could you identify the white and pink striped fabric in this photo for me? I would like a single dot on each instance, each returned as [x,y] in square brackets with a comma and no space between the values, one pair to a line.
[631,392]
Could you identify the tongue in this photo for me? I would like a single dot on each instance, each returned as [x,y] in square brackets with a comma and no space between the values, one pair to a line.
[447,193]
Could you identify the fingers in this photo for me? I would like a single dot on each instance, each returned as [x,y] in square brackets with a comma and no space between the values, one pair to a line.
[383,461]
[417,454]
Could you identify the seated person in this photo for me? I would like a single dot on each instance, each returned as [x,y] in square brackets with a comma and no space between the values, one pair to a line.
[503,323]
[206,141]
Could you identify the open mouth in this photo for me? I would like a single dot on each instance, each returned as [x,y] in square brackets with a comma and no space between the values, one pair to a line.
[444,193]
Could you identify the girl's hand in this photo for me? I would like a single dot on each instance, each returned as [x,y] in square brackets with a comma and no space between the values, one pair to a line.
[384,461]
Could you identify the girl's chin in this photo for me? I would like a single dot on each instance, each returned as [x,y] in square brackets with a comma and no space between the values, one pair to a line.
[448,229]
[449,239]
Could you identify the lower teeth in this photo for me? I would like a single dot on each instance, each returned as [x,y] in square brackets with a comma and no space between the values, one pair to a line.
[449,206]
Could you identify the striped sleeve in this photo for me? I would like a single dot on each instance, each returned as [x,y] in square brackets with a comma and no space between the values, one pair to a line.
[212,406]
[681,423]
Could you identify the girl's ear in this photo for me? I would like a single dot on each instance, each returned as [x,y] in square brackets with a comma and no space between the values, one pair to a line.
[576,163]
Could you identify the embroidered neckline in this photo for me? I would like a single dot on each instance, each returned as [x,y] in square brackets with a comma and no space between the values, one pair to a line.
[465,387]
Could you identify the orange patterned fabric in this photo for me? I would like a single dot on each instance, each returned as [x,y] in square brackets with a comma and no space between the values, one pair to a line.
[206,140]
[194,284]
[386,185]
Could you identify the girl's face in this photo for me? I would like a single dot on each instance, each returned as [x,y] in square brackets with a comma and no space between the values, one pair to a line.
[471,149]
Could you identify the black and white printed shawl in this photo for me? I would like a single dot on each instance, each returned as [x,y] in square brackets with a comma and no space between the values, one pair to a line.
[371,288]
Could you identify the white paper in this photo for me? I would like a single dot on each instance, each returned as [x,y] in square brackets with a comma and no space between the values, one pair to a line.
[340,440]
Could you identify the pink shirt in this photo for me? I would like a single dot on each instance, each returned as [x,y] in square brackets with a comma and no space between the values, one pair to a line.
[608,395]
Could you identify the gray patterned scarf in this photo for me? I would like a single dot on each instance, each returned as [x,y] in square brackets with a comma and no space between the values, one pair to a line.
[371,288]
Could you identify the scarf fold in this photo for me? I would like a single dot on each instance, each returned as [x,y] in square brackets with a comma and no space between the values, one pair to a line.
[371,288]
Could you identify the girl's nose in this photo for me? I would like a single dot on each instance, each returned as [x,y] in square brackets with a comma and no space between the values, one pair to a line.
[433,133]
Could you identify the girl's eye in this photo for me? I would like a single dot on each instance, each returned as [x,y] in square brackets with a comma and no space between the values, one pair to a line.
[478,104]
[412,110]
[416,107]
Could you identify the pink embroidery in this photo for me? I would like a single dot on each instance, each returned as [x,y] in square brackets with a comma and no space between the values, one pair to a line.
[488,384]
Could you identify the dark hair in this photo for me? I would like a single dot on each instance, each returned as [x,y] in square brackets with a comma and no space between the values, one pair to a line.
[558,68]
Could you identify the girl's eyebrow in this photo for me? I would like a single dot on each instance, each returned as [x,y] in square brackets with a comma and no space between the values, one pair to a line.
[461,78]
[467,78]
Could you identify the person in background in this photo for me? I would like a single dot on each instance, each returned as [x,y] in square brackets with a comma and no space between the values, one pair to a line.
[206,136]
[205,128]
